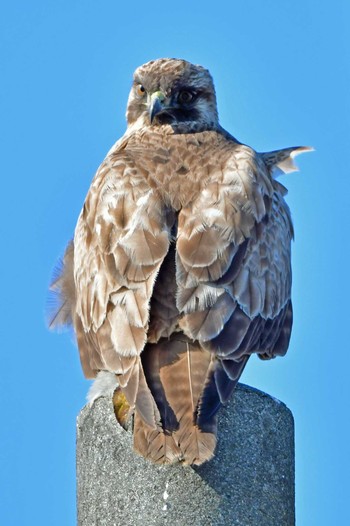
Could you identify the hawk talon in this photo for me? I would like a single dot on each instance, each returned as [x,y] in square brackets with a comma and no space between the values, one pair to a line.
[122,409]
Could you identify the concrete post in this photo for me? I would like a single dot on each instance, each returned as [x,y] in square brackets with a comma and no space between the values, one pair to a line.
[250,481]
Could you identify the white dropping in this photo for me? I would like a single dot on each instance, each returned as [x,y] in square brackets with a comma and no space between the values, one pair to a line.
[165,497]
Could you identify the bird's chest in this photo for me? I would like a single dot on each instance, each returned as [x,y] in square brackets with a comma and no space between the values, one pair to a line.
[179,169]
[178,181]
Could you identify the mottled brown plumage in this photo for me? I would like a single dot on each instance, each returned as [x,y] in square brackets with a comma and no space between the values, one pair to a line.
[181,265]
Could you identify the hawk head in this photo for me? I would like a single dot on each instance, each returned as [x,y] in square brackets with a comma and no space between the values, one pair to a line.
[173,92]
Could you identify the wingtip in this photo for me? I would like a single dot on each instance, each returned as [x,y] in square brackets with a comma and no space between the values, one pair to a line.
[301,149]
[282,161]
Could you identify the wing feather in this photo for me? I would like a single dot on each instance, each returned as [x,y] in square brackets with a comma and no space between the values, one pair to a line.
[61,299]
[121,239]
[247,241]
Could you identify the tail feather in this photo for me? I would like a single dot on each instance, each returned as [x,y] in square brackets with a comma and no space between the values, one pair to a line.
[175,371]
[190,370]
[154,444]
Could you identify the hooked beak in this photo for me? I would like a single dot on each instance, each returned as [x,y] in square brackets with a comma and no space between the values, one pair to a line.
[156,104]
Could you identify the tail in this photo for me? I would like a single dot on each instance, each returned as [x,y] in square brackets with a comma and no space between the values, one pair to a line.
[188,385]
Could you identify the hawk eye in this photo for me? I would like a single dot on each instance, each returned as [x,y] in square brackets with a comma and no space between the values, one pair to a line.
[140,90]
[186,96]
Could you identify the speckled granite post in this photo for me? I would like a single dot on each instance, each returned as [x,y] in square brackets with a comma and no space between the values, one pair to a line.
[250,482]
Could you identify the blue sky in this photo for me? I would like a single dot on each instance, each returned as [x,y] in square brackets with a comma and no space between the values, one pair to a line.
[282,75]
